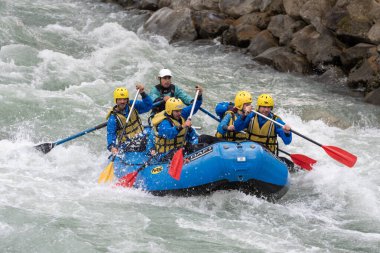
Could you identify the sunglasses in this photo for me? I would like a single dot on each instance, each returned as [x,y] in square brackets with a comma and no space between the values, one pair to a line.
[166,77]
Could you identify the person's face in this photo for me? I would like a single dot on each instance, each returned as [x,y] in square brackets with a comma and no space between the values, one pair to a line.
[265,110]
[176,114]
[247,107]
[166,81]
[121,103]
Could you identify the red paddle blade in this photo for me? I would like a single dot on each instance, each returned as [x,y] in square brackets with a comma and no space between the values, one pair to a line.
[341,155]
[176,164]
[128,180]
[303,161]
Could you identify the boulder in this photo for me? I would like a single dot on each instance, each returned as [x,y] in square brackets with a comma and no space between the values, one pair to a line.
[349,28]
[351,56]
[229,37]
[239,8]
[374,51]
[245,28]
[139,4]
[374,33]
[126,3]
[272,7]
[151,5]
[290,62]
[246,33]
[240,36]
[313,11]
[174,25]
[319,48]
[332,75]
[179,4]
[267,57]
[293,7]
[282,59]
[352,20]
[283,27]
[366,74]
[200,5]
[361,8]
[373,97]
[210,24]
[374,12]
[164,3]
[258,19]
[262,42]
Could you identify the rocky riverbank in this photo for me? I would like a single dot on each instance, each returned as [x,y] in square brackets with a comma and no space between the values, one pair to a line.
[331,38]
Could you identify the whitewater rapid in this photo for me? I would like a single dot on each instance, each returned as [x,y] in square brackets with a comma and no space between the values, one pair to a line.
[60,62]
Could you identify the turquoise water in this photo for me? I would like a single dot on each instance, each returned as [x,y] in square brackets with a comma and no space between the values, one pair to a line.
[59,63]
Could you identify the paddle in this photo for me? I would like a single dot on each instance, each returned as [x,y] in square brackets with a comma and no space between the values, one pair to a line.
[209,114]
[129,179]
[202,109]
[46,147]
[176,164]
[301,160]
[336,153]
[107,174]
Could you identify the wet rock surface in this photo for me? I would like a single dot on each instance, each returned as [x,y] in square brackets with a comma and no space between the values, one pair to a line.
[299,36]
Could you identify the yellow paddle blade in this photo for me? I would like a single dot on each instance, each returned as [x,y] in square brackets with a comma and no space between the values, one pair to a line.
[107,174]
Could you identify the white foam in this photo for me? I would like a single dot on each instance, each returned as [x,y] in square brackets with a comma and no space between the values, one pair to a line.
[64,88]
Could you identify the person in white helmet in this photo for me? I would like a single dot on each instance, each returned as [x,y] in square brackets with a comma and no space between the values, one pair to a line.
[166,89]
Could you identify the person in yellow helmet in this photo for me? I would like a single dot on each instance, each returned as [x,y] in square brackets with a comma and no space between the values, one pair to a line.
[260,129]
[171,127]
[226,128]
[117,116]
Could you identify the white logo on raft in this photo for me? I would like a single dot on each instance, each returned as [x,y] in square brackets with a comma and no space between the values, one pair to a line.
[200,153]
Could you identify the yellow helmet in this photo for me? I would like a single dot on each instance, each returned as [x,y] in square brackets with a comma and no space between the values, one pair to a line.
[173,104]
[265,100]
[242,97]
[120,93]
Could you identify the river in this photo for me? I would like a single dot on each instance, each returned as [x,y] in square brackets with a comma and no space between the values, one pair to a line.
[59,64]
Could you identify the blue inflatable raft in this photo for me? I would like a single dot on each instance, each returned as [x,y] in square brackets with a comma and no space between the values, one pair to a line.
[244,166]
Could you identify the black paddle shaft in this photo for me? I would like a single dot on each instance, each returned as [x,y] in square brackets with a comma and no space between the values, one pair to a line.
[46,147]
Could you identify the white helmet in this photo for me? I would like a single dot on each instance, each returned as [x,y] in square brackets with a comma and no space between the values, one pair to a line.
[165,72]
